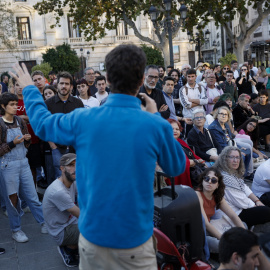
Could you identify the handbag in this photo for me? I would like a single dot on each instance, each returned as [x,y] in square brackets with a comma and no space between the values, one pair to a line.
[195,172]
[212,151]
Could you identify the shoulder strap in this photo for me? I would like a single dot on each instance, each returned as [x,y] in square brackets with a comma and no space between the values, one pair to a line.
[186,90]
[3,129]
[20,121]
[200,88]
[210,137]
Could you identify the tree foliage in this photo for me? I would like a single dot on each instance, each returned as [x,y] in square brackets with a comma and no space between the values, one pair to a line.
[62,58]
[154,56]
[226,60]
[44,67]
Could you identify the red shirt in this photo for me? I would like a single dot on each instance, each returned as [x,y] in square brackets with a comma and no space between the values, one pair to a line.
[21,111]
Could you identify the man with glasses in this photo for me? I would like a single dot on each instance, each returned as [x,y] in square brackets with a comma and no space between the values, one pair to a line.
[229,86]
[151,76]
[200,139]
[89,75]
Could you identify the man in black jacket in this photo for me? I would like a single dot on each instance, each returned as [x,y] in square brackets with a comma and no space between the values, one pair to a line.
[151,74]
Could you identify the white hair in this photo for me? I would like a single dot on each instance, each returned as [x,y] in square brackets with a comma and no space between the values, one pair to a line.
[198,111]
[186,65]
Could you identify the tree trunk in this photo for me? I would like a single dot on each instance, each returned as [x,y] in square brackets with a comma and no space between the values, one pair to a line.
[166,53]
[239,51]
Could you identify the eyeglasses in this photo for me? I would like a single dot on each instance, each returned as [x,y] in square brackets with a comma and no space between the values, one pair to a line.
[226,68]
[223,114]
[199,118]
[254,126]
[152,77]
[234,157]
[208,179]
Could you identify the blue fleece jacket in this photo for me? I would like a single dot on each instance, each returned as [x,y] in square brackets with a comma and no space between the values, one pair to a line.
[117,147]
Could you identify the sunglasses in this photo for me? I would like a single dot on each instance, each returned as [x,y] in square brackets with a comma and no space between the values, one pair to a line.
[208,179]
[226,68]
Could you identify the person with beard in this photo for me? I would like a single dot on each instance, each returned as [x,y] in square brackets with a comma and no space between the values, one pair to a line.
[151,74]
[161,77]
[63,102]
[61,213]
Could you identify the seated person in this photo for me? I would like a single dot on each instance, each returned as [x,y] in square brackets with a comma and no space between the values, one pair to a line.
[239,249]
[220,129]
[261,183]
[201,139]
[251,128]
[211,196]
[237,194]
[263,110]
[254,100]
[228,99]
[191,158]
[61,213]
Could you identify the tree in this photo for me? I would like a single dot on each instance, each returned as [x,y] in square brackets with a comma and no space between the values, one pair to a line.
[62,58]
[223,12]
[87,15]
[154,56]
[226,60]
[8,30]
[44,67]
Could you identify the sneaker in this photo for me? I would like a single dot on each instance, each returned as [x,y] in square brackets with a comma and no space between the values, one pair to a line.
[2,251]
[68,259]
[44,228]
[26,210]
[20,237]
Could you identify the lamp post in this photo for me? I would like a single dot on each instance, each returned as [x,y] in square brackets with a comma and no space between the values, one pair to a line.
[153,12]
[81,50]
[197,42]
[214,44]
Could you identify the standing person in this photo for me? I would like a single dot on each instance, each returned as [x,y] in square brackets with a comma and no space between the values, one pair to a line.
[234,69]
[39,80]
[106,223]
[222,77]
[4,83]
[245,81]
[89,75]
[52,77]
[192,96]
[17,180]
[101,85]
[85,95]
[228,86]
[63,102]
[261,79]
[161,77]
[268,76]
[149,88]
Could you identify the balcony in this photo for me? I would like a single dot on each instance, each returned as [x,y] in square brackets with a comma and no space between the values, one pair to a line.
[76,40]
[25,42]
[120,39]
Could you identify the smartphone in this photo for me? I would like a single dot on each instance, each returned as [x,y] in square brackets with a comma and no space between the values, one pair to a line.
[141,99]
[243,74]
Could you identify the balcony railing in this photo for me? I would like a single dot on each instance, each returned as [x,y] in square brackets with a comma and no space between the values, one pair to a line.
[25,42]
[76,40]
[121,38]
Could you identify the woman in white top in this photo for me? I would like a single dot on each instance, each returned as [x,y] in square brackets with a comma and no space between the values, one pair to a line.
[85,95]
[238,195]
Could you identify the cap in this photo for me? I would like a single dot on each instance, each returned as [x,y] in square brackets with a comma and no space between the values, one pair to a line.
[206,64]
[67,159]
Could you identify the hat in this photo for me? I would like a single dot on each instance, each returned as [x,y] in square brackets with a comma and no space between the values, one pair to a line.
[206,64]
[67,159]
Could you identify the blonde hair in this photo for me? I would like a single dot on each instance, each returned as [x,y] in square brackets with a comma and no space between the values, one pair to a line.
[216,112]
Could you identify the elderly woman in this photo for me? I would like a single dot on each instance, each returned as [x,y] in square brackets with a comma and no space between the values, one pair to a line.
[238,195]
[221,130]
[211,196]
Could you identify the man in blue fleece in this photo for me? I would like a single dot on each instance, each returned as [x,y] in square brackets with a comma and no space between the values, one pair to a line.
[116,196]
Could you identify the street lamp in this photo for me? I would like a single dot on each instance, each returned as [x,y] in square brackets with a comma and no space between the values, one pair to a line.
[81,50]
[153,12]
[214,44]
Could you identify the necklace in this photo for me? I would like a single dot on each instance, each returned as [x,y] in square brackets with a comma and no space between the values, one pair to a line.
[7,120]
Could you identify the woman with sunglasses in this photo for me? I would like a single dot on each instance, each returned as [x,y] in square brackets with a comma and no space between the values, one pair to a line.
[211,196]
[237,194]
[245,81]
[222,77]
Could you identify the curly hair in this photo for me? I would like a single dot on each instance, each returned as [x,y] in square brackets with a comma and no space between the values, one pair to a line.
[219,192]
[222,162]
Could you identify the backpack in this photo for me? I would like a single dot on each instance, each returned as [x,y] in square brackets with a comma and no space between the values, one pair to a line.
[4,127]
[200,89]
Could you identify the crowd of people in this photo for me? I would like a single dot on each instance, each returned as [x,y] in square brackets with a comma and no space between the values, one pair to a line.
[111,132]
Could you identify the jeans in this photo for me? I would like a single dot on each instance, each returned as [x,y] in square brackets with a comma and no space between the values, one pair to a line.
[56,156]
[18,179]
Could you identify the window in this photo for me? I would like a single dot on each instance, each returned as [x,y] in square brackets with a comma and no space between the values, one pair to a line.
[122,29]
[258,34]
[73,32]
[23,26]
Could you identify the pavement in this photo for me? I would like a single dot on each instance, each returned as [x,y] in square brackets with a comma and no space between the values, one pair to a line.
[39,253]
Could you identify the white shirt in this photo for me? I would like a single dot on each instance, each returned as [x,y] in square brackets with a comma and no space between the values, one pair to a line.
[100,97]
[236,74]
[255,70]
[90,103]
[259,185]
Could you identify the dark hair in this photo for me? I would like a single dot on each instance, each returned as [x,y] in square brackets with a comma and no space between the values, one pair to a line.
[81,81]
[5,98]
[37,72]
[100,78]
[162,68]
[170,66]
[52,73]
[125,68]
[220,103]
[263,93]
[233,62]
[217,65]
[13,80]
[191,71]
[219,192]
[236,240]
[66,75]
[255,134]
[229,71]
[51,87]
[167,78]
[97,72]
[250,62]
[174,70]
[177,122]
[253,96]
[3,75]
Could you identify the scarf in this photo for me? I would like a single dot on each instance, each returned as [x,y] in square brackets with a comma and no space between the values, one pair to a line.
[232,181]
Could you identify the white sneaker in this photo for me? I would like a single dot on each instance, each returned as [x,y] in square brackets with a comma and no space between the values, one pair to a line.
[44,228]
[20,237]
[26,210]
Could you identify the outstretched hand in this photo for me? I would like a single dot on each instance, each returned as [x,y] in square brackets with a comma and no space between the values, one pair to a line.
[23,77]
